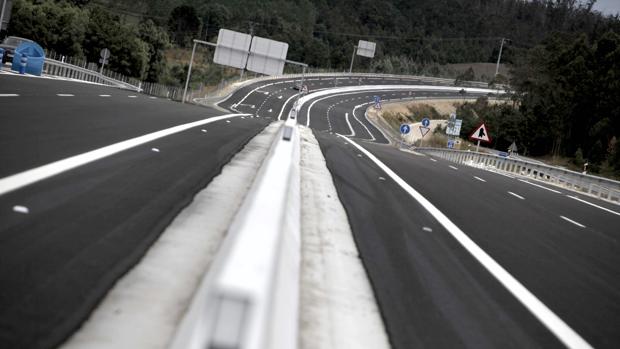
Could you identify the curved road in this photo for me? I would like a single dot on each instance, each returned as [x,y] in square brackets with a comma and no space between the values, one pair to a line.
[86,226]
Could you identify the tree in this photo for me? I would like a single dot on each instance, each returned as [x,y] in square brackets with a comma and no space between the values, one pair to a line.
[157,41]
[183,24]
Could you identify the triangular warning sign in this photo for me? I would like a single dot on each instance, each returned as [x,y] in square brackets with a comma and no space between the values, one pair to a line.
[481,134]
[424,131]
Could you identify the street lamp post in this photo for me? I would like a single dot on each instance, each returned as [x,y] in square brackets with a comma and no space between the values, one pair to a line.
[499,57]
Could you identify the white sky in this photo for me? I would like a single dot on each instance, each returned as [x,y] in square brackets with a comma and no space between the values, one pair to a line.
[608,7]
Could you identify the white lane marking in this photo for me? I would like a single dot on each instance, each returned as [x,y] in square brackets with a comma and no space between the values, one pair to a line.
[152,97]
[155,150]
[21,209]
[346,116]
[572,221]
[22,179]
[9,95]
[452,167]
[541,187]
[284,106]
[65,95]
[593,205]
[361,123]
[557,326]
[516,195]
[433,160]
[427,229]
[104,95]
[203,130]
[480,179]
[133,96]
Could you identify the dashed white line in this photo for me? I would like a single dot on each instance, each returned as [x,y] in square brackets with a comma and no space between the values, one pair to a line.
[104,96]
[572,221]
[21,209]
[547,317]
[9,95]
[452,167]
[541,187]
[516,195]
[433,160]
[22,179]
[132,96]
[593,205]
[65,95]
[480,179]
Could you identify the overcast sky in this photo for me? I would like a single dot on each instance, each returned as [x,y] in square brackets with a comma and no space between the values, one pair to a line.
[608,7]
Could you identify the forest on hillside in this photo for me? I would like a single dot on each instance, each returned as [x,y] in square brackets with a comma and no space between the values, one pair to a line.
[565,57]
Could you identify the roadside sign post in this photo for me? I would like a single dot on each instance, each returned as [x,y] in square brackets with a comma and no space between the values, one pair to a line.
[404,129]
[105,54]
[244,51]
[480,134]
[424,130]
[363,48]
[377,102]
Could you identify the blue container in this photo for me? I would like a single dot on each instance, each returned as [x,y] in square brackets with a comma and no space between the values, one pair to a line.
[23,63]
[35,58]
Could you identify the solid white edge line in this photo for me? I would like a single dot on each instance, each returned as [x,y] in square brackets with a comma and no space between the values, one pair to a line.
[540,186]
[593,205]
[346,116]
[65,95]
[557,326]
[572,221]
[22,179]
[361,123]
[516,195]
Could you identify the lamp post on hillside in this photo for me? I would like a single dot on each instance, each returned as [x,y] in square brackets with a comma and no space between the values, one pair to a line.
[499,57]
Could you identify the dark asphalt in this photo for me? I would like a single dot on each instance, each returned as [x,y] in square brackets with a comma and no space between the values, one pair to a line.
[90,225]
[433,294]
[39,127]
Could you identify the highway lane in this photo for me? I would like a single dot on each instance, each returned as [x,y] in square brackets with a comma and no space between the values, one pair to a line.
[572,269]
[38,126]
[251,96]
[328,113]
[84,228]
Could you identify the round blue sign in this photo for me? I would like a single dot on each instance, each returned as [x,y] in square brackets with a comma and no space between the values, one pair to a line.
[426,122]
[404,129]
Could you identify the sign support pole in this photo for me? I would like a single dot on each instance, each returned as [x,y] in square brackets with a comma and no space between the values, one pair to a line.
[352,59]
[478,146]
[189,72]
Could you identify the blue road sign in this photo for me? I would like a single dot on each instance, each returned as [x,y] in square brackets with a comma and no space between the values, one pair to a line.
[426,122]
[450,143]
[404,129]
[377,99]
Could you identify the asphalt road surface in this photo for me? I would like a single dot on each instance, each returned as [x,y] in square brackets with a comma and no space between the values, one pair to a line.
[432,293]
[86,227]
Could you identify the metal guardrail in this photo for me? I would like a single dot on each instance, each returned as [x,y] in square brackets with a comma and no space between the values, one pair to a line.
[52,67]
[249,297]
[602,188]
[66,70]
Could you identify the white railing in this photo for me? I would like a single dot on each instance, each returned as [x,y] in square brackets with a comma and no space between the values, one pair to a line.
[249,298]
[61,69]
[600,187]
